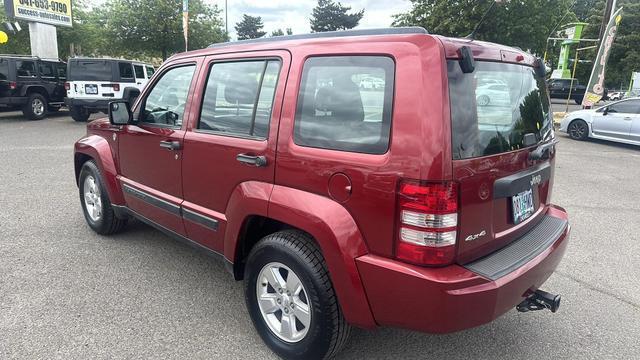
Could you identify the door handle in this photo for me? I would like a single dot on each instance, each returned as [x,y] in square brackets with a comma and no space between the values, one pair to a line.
[170,145]
[628,118]
[257,161]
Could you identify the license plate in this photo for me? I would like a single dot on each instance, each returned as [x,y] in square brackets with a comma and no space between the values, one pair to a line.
[91,89]
[522,206]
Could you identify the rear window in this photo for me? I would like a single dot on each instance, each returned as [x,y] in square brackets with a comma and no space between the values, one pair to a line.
[4,69]
[494,107]
[345,103]
[139,71]
[90,70]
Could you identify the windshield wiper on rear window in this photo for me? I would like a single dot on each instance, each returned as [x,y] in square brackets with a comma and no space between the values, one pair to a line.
[542,151]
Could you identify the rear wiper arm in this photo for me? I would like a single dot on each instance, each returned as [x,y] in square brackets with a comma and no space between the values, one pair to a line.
[542,151]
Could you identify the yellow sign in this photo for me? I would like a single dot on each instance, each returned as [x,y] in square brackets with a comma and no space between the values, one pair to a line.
[54,12]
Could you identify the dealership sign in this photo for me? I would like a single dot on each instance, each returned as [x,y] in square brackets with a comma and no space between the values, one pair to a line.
[54,12]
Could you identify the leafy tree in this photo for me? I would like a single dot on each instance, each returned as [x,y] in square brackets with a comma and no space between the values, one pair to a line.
[331,16]
[524,23]
[19,42]
[250,27]
[279,32]
[154,27]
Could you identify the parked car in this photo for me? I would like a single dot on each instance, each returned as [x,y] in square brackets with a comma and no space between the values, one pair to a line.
[93,83]
[32,84]
[410,211]
[615,96]
[618,121]
[560,89]
[492,94]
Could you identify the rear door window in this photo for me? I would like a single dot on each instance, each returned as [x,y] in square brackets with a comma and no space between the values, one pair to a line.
[139,70]
[625,107]
[239,97]
[126,71]
[26,69]
[345,103]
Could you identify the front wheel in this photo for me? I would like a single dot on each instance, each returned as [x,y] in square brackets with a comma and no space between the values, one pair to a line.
[96,205]
[291,299]
[578,130]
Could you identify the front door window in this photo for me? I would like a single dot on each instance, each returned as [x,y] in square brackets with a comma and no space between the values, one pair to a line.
[165,103]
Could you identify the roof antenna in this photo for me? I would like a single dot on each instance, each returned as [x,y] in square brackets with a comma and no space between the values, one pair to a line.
[473,33]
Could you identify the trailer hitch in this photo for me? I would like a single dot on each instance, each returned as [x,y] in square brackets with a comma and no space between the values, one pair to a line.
[540,300]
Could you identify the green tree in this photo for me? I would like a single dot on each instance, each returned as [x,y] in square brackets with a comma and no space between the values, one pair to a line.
[524,23]
[250,27]
[331,16]
[279,32]
[154,27]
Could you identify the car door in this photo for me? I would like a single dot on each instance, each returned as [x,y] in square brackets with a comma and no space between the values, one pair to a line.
[615,121]
[634,133]
[231,143]
[150,149]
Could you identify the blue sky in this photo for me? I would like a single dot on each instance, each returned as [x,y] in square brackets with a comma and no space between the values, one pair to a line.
[295,13]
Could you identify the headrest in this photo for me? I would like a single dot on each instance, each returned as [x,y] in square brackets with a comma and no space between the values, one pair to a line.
[342,99]
[241,89]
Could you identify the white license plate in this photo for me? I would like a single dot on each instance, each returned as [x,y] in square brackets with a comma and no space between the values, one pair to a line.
[522,206]
[91,89]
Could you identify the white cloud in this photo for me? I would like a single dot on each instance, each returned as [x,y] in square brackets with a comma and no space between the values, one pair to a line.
[294,14]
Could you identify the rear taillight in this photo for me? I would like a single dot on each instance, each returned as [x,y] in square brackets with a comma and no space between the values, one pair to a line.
[116,87]
[428,222]
[13,85]
[67,86]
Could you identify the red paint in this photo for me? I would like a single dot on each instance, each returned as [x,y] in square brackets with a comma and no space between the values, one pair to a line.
[347,201]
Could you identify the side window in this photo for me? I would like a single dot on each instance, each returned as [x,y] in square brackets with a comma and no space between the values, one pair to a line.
[46,70]
[62,71]
[126,70]
[26,68]
[334,112]
[165,103]
[238,98]
[150,71]
[625,107]
[139,71]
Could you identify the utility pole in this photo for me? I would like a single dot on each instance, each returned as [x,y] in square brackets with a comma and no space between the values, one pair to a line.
[226,18]
[605,18]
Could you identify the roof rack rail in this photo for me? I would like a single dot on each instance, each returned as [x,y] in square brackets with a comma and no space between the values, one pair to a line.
[21,56]
[328,34]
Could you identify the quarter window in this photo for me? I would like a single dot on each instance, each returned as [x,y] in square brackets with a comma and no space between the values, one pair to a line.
[166,102]
[46,70]
[62,71]
[150,71]
[26,68]
[345,103]
[126,70]
[238,98]
[139,71]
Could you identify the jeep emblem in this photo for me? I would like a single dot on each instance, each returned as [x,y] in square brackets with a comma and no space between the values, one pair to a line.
[536,180]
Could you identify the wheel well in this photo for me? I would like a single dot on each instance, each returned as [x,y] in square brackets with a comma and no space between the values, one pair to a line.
[38,90]
[254,228]
[78,160]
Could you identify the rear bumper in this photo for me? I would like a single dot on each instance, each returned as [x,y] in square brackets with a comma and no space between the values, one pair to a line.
[97,104]
[452,298]
[13,100]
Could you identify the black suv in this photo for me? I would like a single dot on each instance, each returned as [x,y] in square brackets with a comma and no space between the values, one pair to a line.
[32,84]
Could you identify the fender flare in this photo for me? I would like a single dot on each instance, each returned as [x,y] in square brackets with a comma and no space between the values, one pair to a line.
[97,148]
[339,238]
[25,90]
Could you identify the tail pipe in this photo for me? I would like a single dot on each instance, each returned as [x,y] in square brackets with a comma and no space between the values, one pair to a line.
[540,300]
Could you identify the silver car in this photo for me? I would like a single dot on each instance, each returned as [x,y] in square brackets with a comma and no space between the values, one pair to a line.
[618,121]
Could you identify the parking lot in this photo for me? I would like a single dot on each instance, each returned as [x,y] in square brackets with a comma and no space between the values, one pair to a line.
[68,293]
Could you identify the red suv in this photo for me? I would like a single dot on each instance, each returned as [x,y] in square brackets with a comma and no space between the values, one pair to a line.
[422,202]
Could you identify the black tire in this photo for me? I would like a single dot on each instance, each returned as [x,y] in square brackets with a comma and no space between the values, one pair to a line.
[36,107]
[328,330]
[108,223]
[578,130]
[79,113]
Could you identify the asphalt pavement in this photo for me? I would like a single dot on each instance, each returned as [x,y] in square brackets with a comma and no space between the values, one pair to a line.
[68,293]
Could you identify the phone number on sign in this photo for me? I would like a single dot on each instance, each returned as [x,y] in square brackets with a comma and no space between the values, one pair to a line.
[46,5]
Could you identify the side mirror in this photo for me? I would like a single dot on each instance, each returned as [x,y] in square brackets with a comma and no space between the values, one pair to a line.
[120,113]
[605,111]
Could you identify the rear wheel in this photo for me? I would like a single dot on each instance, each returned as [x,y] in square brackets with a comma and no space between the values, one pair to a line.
[96,205]
[578,130]
[79,113]
[291,299]
[36,107]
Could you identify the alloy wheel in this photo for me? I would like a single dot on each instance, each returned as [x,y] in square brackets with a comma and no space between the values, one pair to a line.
[37,106]
[92,199]
[283,302]
[577,130]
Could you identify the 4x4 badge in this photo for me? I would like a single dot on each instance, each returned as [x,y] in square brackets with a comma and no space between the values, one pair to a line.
[475,236]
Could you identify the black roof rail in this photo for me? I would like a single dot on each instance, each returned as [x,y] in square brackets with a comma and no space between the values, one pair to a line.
[328,34]
[34,57]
